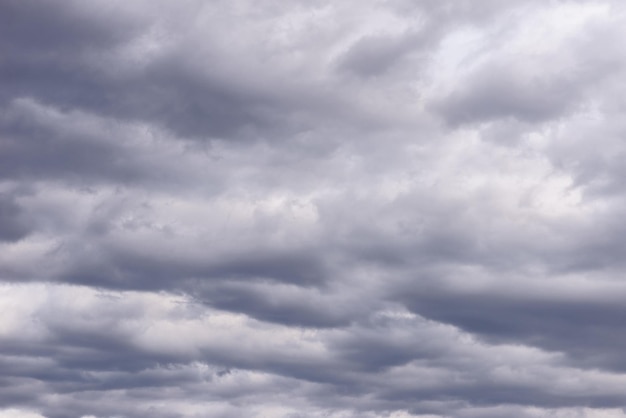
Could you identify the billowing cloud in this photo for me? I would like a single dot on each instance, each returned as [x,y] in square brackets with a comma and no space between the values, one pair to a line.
[306,209]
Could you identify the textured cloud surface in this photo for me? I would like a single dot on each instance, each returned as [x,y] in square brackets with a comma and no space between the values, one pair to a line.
[312,209]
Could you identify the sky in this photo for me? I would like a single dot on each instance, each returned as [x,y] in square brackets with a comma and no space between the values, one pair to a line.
[346,209]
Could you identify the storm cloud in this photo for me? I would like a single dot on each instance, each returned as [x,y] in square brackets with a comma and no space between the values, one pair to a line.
[305,209]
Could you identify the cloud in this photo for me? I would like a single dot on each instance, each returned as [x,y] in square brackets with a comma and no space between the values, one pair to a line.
[391,209]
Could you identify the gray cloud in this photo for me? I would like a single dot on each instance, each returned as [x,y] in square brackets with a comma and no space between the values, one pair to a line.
[396,209]
[13,224]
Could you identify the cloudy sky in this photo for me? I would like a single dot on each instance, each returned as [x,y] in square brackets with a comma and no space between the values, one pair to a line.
[381,208]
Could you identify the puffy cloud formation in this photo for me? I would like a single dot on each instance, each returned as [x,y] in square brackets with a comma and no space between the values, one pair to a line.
[388,208]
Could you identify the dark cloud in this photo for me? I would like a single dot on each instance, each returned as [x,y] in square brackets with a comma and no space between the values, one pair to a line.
[375,55]
[393,209]
[284,305]
[71,60]
[40,143]
[499,94]
[13,224]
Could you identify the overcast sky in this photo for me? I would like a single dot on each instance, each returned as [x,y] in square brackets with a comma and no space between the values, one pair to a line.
[348,209]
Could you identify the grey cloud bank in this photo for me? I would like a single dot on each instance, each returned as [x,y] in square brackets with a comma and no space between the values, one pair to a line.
[305,209]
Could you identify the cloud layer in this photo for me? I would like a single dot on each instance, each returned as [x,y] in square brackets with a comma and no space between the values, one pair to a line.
[306,209]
